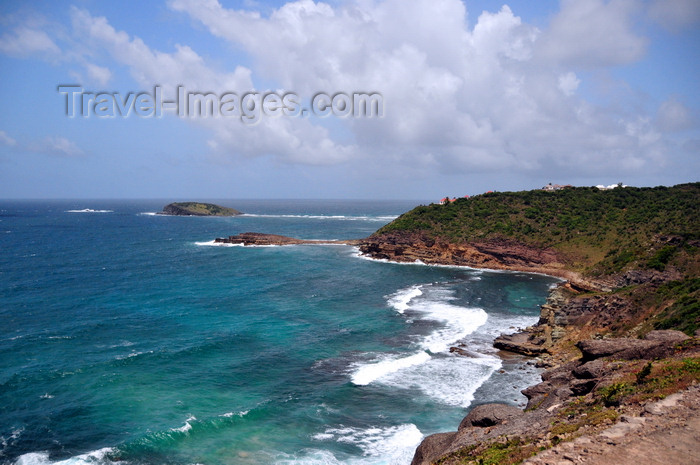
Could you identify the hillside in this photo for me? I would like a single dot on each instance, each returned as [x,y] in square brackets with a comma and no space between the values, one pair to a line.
[596,232]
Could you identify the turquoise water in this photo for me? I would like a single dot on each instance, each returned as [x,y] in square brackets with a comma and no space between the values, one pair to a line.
[128,337]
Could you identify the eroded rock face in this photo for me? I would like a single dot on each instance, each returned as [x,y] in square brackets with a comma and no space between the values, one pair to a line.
[494,253]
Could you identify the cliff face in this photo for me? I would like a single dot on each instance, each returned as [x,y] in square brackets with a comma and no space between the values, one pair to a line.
[498,253]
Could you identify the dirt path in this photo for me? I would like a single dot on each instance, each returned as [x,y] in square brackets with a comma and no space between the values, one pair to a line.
[664,433]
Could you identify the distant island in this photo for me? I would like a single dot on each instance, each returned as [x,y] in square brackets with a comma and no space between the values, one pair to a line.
[198,209]
[618,335]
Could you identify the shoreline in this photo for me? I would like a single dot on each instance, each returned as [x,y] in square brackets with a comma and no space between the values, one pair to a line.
[580,365]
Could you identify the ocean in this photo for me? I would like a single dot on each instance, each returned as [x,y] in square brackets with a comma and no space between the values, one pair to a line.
[130,338]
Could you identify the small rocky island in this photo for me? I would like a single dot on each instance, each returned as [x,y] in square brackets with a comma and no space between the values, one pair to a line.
[198,209]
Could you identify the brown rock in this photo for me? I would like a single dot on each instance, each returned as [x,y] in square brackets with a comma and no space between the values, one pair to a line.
[432,448]
[519,343]
[489,415]
[668,336]
[590,370]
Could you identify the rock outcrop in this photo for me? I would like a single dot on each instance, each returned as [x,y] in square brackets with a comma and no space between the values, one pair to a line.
[599,367]
[499,254]
[261,239]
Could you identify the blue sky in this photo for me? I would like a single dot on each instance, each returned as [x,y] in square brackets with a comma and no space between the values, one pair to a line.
[478,95]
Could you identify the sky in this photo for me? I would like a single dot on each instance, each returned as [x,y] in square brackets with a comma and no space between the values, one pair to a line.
[472,96]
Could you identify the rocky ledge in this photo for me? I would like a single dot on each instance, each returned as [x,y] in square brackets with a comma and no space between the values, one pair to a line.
[498,254]
[262,239]
[586,396]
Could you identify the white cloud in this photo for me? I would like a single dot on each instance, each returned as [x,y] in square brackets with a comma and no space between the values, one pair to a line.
[7,140]
[24,41]
[99,74]
[675,14]
[55,146]
[461,95]
[593,34]
[60,146]
[673,116]
[568,83]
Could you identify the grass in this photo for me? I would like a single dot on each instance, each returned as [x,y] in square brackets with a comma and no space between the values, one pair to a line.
[503,451]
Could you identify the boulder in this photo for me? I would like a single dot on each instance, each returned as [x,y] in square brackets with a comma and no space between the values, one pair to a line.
[489,415]
[593,349]
[667,336]
[590,370]
[656,344]
[432,448]
[519,343]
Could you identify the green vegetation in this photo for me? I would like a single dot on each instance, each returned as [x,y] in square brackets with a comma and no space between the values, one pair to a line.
[198,209]
[502,452]
[600,231]
[654,380]
[684,313]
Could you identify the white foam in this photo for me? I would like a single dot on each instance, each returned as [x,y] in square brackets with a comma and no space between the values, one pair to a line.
[326,217]
[240,244]
[89,210]
[368,373]
[187,426]
[218,244]
[393,445]
[452,380]
[91,458]
[459,322]
[402,298]
[149,214]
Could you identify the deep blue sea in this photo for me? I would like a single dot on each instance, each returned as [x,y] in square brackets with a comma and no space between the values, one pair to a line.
[128,337]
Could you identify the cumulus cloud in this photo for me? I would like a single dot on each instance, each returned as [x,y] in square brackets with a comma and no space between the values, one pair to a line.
[463,92]
[593,34]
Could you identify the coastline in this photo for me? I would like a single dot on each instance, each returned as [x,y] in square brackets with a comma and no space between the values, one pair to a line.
[560,342]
